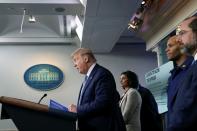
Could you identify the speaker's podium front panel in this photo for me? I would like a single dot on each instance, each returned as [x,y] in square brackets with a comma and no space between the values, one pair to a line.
[30,116]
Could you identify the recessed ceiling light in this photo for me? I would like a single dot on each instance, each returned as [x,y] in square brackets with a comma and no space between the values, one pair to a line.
[59,9]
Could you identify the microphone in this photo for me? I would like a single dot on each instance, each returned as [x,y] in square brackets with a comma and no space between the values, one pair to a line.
[42,98]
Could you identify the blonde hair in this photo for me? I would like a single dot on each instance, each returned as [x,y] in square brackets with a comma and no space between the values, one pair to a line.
[84,51]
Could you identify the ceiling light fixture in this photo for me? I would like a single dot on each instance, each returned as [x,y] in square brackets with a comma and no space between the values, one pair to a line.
[135,23]
[24,11]
[32,19]
[138,18]
[143,2]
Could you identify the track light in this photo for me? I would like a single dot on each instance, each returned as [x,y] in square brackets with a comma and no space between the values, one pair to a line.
[135,23]
[143,2]
[137,19]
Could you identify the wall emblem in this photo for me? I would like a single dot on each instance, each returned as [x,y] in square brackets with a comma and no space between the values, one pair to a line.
[44,77]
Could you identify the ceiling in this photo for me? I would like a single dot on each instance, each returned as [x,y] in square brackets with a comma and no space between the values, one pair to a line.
[96,24]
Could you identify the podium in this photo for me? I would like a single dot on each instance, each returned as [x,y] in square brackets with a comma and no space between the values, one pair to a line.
[30,116]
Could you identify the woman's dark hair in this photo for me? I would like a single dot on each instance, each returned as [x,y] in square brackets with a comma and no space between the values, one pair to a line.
[132,79]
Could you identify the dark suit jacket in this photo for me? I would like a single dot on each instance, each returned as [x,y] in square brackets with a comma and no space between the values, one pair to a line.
[150,118]
[174,83]
[183,116]
[99,109]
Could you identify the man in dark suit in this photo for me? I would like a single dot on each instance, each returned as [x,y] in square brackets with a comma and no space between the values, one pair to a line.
[98,102]
[183,116]
[150,118]
[181,63]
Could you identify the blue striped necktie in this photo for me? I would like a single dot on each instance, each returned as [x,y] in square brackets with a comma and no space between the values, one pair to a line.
[193,62]
[82,89]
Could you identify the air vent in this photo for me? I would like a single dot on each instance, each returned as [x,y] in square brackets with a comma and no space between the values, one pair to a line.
[59,9]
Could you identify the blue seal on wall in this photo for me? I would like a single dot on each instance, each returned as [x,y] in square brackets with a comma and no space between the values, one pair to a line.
[43,77]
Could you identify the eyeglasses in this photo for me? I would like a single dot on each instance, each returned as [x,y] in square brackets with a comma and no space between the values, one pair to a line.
[182,32]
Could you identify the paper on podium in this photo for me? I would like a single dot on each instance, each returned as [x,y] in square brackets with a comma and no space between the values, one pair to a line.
[55,105]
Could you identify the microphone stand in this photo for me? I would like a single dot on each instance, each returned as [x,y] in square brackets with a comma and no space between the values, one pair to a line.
[42,98]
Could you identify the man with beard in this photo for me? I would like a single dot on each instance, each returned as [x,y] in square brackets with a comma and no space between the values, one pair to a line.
[183,116]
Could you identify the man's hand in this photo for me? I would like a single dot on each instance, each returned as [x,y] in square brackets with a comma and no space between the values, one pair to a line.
[72,108]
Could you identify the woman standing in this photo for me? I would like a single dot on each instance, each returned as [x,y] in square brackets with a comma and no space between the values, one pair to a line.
[131,101]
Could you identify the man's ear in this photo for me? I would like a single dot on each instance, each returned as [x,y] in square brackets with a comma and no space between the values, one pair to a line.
[86,59]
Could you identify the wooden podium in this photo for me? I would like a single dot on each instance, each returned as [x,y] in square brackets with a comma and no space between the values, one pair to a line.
[30,116]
